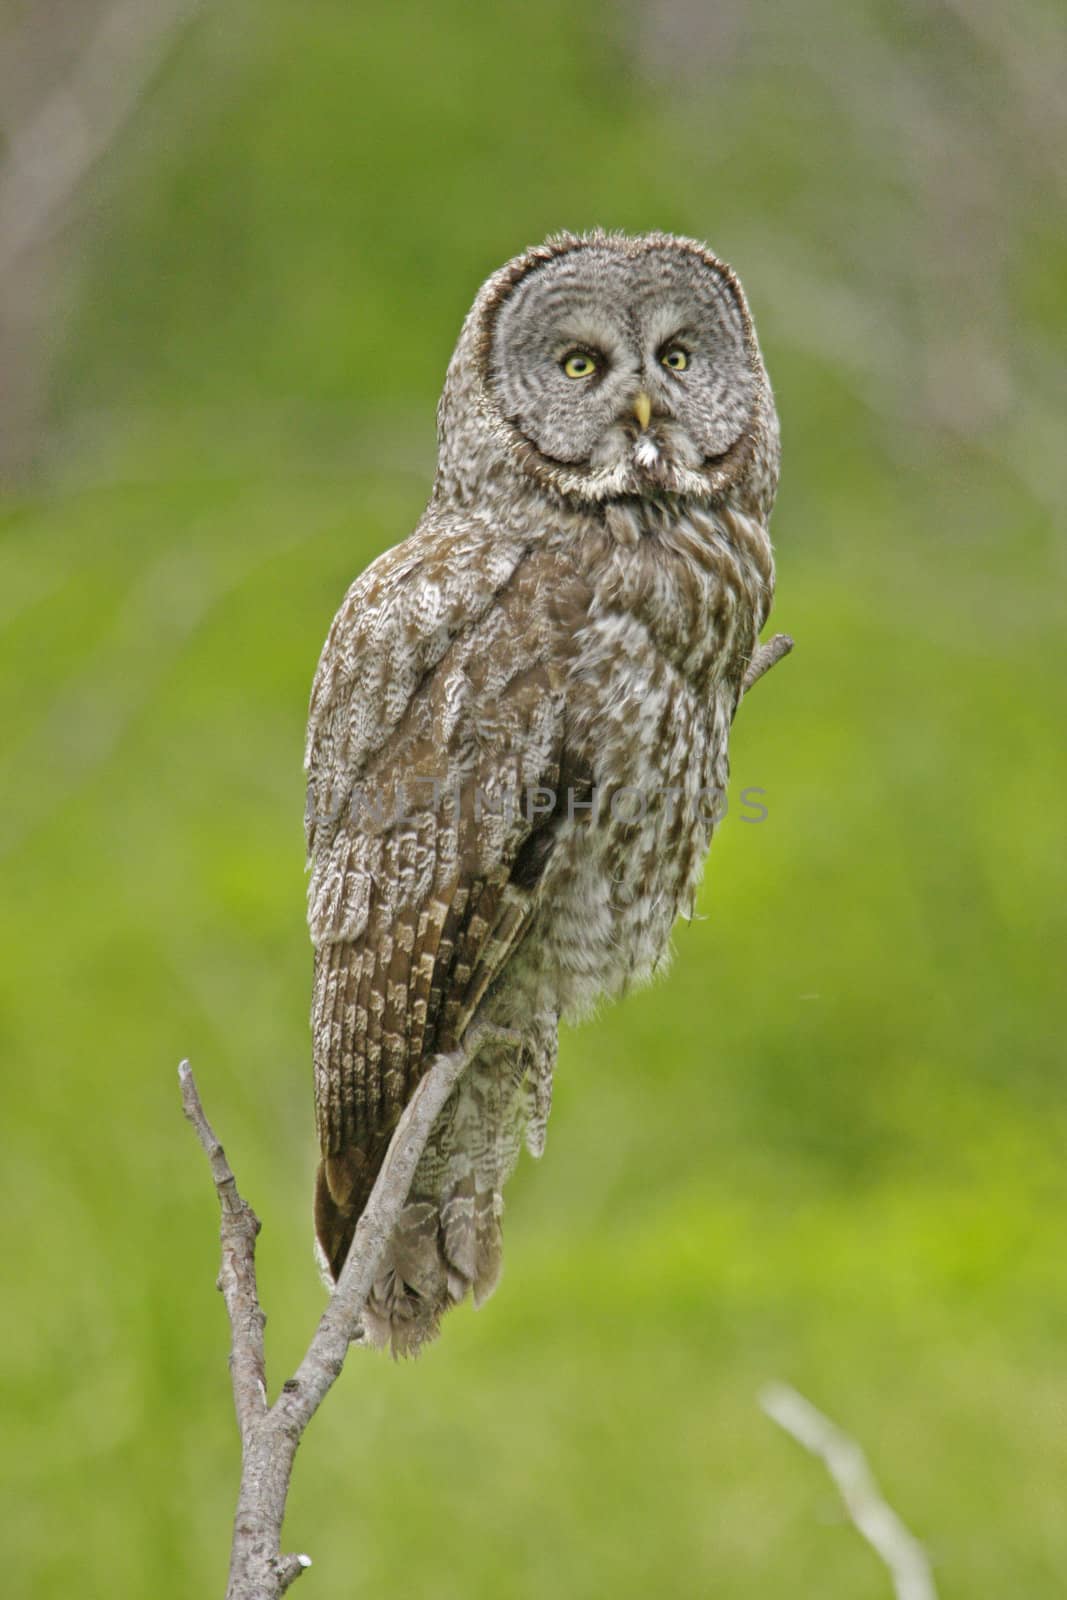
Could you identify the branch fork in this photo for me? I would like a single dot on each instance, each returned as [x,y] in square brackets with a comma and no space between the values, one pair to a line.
[271,1433]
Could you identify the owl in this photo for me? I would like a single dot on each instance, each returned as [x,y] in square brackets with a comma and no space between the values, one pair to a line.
[517,743]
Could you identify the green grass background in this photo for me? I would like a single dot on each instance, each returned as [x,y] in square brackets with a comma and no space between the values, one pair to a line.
[830,1147]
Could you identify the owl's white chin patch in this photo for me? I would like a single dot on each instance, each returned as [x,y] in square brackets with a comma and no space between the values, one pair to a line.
[660,455]
[661,459]
[654,463]
[666,458]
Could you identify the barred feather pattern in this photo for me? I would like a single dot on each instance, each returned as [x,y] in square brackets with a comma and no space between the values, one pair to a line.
[550,636]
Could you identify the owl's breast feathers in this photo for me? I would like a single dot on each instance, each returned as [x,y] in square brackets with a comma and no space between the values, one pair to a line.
[656,633]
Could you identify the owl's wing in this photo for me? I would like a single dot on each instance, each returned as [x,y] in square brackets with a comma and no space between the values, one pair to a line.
[437,670]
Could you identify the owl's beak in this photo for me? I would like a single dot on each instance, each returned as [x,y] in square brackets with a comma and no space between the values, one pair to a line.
[642,408]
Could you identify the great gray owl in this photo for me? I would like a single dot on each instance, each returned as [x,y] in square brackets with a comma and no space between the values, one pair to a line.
[518,727]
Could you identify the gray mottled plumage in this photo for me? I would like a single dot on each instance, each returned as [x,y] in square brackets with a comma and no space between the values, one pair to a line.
[573,615]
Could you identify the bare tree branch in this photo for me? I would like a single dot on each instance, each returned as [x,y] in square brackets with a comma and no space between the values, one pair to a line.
[764,658]
[237,1275]
[50,154]
[868,1511]
[271,1434]
[72,77]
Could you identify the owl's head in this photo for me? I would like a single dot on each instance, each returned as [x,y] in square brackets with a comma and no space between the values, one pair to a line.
[612,366]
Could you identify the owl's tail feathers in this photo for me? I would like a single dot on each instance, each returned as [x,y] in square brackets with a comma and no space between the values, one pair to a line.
[438,1251]
[337,1211]
[447,1240]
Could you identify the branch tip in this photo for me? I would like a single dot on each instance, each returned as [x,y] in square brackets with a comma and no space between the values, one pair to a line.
[869,1512]
[764,658]
[288,1568]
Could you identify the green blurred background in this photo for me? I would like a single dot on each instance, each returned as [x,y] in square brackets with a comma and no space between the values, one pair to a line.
[830,1147]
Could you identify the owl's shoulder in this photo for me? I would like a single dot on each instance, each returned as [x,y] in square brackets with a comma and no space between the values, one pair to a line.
[393,627]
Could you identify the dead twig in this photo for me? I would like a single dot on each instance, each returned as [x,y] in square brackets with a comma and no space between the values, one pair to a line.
[49,155]
[271,1434]
[238,1232]
[869,1513]
[73,77]
[764,658]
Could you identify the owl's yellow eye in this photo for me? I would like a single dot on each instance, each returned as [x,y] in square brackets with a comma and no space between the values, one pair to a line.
[579,365]
[675,358]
